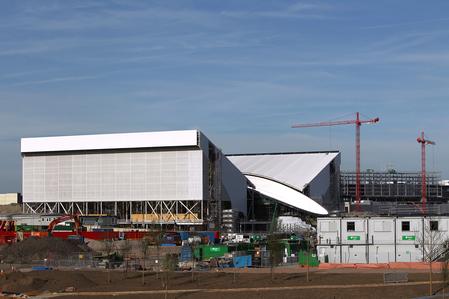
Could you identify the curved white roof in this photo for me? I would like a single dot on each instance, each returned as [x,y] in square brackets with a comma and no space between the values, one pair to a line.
[286,195]
[293,169]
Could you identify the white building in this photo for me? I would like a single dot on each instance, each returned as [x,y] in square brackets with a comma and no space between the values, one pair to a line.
[305,180]
[379,239]
[174,177]
[9,198]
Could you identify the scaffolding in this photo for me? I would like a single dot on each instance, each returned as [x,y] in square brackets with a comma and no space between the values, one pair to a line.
[214,203]
[390,186]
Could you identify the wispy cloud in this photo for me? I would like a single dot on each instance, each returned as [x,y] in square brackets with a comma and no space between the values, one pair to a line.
[23,74]
[402,41]
[31,49]
[298,10]
[425,57]
[402,24]
[54,80]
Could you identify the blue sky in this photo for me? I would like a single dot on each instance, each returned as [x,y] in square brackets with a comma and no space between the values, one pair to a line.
[241,71]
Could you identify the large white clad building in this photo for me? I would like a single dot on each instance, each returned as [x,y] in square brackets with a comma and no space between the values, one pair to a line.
[173,177]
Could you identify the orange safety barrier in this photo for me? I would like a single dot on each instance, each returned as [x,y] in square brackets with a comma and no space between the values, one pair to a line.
[416,265]
[398,265]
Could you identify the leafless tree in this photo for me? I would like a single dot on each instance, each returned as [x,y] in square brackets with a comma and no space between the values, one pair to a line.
[169,265]
[193,243]
[144,243]
[432,246]
[275,247]
[125,248]
[445,272]
[157,239]
[308,238]
[108,248]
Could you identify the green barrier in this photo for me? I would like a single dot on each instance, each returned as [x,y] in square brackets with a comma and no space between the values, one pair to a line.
[207,252]
[313,259]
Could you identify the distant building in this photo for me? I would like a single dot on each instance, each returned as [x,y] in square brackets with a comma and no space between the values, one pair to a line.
[444,184]
[10,198]
[391,186]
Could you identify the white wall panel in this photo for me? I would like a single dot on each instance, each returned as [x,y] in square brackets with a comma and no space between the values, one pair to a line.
[110,141]
[169,175]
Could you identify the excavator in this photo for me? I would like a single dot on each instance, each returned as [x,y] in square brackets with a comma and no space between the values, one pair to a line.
[63,218]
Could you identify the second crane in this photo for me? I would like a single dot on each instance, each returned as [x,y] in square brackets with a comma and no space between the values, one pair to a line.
[358,123]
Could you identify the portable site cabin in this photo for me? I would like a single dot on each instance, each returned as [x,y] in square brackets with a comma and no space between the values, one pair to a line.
[379,239]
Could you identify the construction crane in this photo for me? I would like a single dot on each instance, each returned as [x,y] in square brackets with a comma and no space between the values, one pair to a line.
[358,123]
[421,139]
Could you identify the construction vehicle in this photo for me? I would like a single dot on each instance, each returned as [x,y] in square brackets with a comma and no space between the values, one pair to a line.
[64,218]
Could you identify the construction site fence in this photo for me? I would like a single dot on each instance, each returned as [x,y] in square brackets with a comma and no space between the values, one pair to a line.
[90,262]
[150,263]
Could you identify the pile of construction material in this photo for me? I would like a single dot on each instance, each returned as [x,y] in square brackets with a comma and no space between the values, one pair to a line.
[40,249]
[293,224]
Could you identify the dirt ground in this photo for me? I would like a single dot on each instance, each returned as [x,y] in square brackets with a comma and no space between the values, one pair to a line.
[40,248]
[323,284]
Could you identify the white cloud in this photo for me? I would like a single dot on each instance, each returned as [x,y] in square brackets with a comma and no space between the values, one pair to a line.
[54,80]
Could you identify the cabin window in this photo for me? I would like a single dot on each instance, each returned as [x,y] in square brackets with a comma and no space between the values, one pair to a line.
[406,226]
[433,225]
[350,226]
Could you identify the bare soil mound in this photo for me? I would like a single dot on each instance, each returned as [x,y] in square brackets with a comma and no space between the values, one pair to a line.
[33,249]
[67,279]
[18,282]
[13,208]
[53,281]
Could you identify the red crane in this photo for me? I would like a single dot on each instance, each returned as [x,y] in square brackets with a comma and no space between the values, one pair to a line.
[358,123]
[421,139]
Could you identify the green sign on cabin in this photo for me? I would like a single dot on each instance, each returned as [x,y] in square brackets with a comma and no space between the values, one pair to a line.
[408,238]
[353,238]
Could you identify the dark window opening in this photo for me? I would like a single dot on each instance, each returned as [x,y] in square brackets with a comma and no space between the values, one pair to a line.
[434,225]
[406,226]
[350,226]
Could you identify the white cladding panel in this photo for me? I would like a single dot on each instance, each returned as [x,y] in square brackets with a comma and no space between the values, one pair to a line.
[110,141]
[131,176]
[381,231]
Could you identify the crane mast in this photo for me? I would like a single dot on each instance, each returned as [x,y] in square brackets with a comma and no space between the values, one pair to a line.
[423,141]
[358,123]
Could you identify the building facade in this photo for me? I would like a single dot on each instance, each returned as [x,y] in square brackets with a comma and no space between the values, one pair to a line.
[174,177]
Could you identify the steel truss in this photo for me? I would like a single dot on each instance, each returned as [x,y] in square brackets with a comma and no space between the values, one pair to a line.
[180,212]
[384,186]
